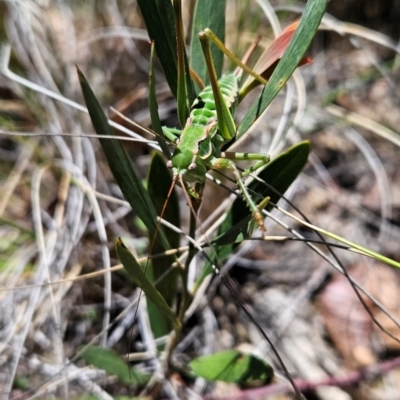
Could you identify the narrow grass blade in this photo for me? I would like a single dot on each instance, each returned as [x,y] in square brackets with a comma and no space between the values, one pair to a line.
[121,166]
[159,184]
[208,14]
[356,247]
[140,279]
[232,366]
[183,99]
[113,364]
[308,26]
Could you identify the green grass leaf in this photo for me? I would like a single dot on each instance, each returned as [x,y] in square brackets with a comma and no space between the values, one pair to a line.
[305,32]
[138,276]
[121,166]
[113,364]
[232,366]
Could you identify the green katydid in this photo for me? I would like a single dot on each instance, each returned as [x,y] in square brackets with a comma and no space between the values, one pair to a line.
[210,126]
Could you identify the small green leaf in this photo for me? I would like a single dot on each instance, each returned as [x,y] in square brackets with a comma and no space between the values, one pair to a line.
[121,166]
[113,364]
[138,276]
[232,366]
[22,383]
[207,14]
[313,12]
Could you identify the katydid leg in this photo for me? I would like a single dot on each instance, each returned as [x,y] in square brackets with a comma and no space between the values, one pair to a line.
[171,133]
[226,124]
[225,163]
[262,159]
[209,35]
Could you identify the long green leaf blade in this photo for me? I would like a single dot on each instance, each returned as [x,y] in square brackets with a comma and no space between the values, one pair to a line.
[121,166]
[208,14]
[158,15]
[138,276]
[308,26]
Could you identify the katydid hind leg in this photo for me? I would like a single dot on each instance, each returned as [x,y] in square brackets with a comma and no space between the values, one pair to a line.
[266,63]
[208,35]
[247,55]
[226,124]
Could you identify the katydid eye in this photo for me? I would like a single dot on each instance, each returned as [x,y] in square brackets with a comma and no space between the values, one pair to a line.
[169,164]
[192,166]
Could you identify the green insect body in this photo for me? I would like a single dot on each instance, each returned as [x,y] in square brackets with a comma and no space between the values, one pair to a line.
[200,142]
[210,125]
[200,139]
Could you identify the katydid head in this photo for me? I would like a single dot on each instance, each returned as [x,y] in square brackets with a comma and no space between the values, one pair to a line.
[191,173]
[183,163]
